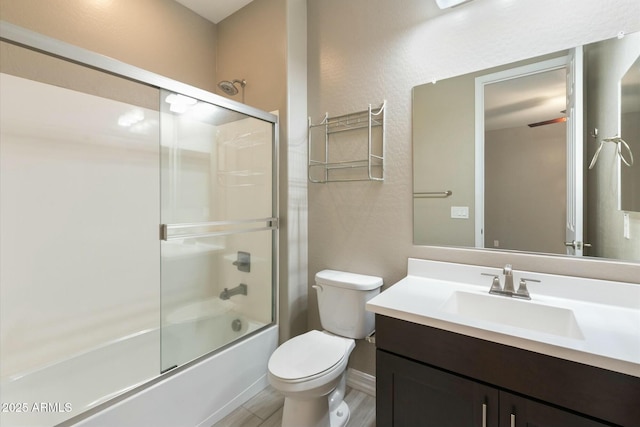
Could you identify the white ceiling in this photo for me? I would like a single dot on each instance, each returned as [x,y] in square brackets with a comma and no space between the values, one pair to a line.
[214,10]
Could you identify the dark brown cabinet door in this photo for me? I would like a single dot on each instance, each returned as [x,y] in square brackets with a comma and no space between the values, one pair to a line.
[518,411]
[410,394]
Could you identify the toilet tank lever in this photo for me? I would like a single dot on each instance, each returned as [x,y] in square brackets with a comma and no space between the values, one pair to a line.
[318,288]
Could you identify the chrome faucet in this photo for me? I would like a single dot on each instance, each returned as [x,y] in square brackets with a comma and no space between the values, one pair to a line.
[509,290]
[241,289]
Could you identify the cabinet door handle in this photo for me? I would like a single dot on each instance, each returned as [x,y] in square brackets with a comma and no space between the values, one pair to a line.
[513,420]
[484,415]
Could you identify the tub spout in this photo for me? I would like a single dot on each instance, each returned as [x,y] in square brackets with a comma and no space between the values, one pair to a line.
[241,289]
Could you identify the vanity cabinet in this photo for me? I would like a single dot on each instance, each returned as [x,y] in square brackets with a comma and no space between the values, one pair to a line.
[414,394]
[430,377]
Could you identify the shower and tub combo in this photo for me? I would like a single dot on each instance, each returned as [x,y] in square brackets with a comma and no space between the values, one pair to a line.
[138,222]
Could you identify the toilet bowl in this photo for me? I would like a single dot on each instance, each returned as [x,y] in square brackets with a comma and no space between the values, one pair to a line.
[310,369]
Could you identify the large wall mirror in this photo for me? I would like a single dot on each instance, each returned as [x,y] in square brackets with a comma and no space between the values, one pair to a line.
[534,156]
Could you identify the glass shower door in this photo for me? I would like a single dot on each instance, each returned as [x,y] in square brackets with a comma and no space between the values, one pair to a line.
[218,227]
[79,253]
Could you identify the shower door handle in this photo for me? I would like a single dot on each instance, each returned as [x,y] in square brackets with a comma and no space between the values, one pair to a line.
[217,228]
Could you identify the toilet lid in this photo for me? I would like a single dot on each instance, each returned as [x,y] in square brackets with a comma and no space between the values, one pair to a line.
[307,355]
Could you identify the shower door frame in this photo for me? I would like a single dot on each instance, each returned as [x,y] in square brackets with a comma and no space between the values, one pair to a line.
[31,40]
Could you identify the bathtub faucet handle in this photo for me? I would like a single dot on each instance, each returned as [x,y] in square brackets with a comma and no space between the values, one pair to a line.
[243,262]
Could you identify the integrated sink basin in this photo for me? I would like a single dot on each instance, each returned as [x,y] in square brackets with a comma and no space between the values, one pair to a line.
[512,312]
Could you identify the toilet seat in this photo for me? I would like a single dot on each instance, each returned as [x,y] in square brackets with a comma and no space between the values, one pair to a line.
[308,356]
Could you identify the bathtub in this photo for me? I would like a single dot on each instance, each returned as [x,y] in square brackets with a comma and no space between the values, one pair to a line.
[199,393]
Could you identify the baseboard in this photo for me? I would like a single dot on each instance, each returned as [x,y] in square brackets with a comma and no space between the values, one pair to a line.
[359,380]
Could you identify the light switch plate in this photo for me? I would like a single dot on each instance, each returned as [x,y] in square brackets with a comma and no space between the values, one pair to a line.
[627,233]
[460,212]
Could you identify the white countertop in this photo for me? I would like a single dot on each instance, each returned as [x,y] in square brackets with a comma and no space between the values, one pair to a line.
[607,313]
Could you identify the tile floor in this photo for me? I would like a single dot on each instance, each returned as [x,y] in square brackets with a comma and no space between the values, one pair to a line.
[265,410]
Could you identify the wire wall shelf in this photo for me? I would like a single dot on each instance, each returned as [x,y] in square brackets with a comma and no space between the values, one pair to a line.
[356,155]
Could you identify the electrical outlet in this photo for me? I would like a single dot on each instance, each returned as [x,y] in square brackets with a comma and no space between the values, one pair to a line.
[496,243]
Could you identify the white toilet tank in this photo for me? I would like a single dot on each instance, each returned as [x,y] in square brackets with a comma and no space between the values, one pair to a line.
[341,302]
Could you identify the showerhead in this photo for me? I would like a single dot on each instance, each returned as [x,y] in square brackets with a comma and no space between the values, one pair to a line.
[230,87]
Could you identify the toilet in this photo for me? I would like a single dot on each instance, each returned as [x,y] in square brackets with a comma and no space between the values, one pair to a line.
[310,369]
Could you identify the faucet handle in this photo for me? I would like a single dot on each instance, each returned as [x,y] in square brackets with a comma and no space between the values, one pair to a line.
[495,283]
[522,291]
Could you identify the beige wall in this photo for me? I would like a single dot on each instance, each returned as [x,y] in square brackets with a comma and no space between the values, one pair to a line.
[150,34]
[364,51]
